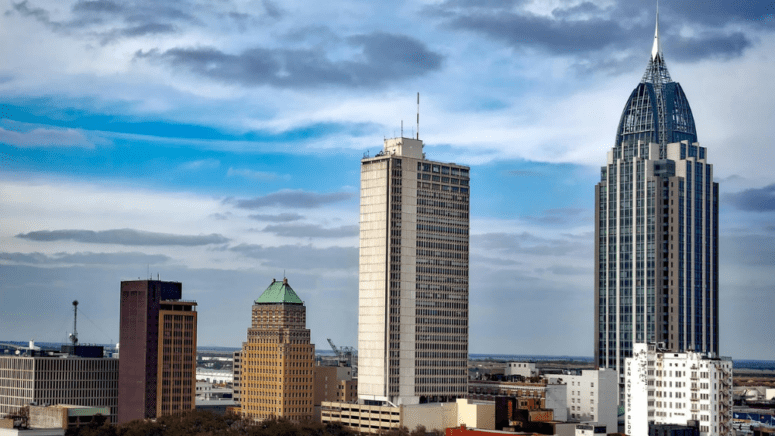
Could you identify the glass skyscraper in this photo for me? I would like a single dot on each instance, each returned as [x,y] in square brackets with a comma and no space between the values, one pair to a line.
[656,228]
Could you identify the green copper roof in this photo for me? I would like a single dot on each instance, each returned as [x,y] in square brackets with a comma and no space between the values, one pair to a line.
[279,292]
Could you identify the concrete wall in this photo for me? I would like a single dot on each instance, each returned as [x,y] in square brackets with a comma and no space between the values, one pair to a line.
[557,400]
[372,273]
[476,415]
[48,417]
[436,416]
[525,369]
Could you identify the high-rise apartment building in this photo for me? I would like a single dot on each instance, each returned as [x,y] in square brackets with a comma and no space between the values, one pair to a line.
[276,361]
[157,369]
[663,387]
[413,277]
[656,228]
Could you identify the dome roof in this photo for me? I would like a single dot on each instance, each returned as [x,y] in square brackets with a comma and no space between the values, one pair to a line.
[657,110]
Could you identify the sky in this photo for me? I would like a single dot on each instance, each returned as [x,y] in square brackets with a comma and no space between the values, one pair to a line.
[218,143]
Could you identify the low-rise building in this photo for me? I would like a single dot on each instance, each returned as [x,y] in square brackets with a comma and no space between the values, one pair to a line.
[523,369]
[592,396]
[65,416]
[334,383]
[591,429]
[56,378]
[215,376]
[547,394]
[433,416]
[664,387]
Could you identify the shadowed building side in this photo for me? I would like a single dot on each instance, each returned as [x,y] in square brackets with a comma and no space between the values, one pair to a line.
[158,350]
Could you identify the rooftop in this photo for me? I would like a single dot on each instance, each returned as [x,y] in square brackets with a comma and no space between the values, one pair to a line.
[279,292]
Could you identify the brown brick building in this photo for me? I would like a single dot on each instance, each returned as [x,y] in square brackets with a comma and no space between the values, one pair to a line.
[334,383]
[157,368]
[277,359]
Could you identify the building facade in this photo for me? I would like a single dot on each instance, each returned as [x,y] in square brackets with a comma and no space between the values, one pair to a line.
[413,277]
[157,373]
[58,379]
[656,229]
[236,374]
[373,419]
[276,379]
[592,396]
[522,369]
[663,387]
[334,383]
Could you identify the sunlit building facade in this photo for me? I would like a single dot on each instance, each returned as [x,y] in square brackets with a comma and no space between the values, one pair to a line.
[276,375]
[413,277]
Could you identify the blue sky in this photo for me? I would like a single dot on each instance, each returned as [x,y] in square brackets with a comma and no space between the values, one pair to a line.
[218,144]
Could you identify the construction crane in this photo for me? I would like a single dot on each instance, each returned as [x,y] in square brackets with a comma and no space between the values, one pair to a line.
[345,354]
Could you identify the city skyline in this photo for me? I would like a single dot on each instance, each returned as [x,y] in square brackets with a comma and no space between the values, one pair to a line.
[181,141]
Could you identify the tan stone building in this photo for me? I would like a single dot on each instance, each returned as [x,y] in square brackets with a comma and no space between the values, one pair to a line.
[277,359]
[176,375]
[334,383]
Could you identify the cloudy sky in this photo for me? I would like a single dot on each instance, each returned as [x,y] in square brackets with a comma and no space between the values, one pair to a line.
[218,143]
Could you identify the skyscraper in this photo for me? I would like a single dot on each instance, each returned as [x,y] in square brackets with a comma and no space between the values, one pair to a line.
[276,373]
[656,228]
[157,367]
[413,277]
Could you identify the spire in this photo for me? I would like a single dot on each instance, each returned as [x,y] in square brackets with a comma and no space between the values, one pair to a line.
[656,49]
[656,72]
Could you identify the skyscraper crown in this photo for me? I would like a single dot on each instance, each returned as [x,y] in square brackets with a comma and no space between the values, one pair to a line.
[279,292]
[657,110]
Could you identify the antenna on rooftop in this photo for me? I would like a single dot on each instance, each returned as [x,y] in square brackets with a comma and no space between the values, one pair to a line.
[74,334]
[402,128]
[418,115]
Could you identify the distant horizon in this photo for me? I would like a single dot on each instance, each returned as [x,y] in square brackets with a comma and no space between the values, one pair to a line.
[331,352]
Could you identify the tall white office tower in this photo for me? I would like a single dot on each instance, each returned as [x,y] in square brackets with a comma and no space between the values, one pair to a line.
[413,277]
[656,229]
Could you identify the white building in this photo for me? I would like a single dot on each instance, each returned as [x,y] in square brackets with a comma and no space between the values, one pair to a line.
[58,379]
[592,396]
[216,376]
[524,369]
[412,277]
[664,387]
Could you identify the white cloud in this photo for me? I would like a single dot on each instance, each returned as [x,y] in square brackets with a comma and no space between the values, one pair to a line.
[255,175]
[45,137]
[202,164]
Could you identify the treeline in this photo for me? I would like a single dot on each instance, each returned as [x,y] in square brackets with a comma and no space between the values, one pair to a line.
[205,423]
